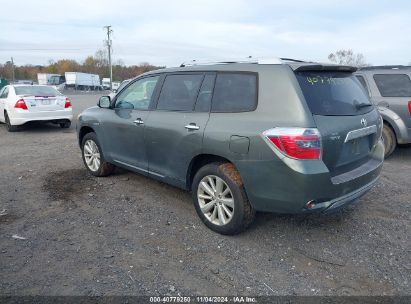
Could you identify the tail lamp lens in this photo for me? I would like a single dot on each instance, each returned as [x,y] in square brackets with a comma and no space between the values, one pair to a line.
[20,104]
[67,104]
[409,107]
[299,143]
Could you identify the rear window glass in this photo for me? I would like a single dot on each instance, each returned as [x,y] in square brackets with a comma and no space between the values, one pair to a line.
[333,93]
[36,91]
[179,92]
[235,92]
[393,85]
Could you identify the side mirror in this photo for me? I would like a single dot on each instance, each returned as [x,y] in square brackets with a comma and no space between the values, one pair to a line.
[104,102]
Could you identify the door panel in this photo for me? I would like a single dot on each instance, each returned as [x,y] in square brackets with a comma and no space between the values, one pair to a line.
[172,140]
[124,138]
[174,135]
[124,126]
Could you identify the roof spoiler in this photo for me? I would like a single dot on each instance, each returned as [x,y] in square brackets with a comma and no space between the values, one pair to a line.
[321,67]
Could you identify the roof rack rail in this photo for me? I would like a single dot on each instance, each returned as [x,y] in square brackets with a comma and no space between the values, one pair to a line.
[250,59]
[291,59]
[392,67]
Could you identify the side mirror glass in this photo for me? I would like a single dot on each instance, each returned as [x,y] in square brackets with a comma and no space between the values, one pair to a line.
[104,102]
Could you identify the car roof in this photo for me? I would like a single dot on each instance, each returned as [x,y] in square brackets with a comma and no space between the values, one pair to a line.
[295,65]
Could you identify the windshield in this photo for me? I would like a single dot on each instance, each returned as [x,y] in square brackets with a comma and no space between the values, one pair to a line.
[333,93]
[36,91]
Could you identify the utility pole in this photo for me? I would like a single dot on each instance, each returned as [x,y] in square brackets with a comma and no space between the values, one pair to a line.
[12,69]
[109,31]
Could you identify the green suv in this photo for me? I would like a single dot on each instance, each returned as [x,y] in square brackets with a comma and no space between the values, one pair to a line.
[279,136]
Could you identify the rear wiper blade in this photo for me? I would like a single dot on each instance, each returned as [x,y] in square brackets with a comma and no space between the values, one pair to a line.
[363,105]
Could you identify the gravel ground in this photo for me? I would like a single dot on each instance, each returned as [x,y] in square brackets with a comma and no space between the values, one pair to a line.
[129,235]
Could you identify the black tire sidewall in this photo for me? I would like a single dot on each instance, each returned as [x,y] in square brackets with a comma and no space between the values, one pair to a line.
[92,136]
[236,223]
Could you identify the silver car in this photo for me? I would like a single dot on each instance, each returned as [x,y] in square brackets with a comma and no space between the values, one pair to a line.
[389,88]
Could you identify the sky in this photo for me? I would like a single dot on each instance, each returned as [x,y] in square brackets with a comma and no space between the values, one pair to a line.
[170,32]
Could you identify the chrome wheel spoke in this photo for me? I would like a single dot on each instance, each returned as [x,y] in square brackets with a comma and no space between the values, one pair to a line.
[221,217]
[207,207]
[228,201]
[219,185]
[205,197]
[227,212]
[206,188]
[211,183]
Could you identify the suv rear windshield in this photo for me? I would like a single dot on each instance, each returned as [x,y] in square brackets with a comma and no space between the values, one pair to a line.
[393,85]
[36,91]
[333,93]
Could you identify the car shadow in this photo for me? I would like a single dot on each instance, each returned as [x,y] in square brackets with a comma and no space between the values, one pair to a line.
[43,127]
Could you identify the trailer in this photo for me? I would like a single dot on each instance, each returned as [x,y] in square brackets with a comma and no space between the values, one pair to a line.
[44,78]
[82,81]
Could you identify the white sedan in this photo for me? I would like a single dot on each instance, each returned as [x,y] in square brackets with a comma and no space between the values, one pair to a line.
[23,103]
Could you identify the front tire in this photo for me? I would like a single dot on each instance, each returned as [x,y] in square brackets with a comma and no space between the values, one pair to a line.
[220,199]
[9,126]
[390,140]
[93,157]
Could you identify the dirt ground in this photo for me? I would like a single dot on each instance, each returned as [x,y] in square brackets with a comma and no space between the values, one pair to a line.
[129,235]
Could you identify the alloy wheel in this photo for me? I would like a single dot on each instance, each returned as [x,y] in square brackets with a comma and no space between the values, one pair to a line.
[216,200]
[92,155]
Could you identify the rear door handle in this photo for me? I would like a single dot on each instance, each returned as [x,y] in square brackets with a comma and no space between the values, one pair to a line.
[138,122]
[192,126]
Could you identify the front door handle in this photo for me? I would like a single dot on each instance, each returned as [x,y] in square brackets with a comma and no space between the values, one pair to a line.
[192,126]
[138,122]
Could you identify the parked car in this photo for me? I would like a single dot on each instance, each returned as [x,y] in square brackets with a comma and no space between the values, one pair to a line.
[20,104]
[389,88]
[277,136]
[120,87]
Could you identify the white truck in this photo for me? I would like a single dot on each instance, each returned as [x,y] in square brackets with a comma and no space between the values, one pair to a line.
[82,81]
[44,78]
[105,82]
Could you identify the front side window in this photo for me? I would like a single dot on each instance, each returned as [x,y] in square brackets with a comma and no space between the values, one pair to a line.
[393,85]
[179,92]
[235,92]
[138,94]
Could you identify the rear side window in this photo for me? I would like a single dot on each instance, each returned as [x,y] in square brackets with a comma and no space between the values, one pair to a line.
[179,92]
[393,85]
[333,93]
[235,92]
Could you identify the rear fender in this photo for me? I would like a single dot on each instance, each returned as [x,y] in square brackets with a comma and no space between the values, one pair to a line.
[395,121]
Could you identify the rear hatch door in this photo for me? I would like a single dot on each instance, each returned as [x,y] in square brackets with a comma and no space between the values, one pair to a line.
[348,122]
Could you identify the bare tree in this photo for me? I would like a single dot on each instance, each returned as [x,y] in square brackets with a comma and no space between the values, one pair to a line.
[348,57]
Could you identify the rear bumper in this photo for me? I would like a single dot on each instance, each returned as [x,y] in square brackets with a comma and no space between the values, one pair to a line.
[19,117]
[286,186]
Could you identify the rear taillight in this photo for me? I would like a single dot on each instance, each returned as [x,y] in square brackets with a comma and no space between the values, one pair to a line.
[299,143]
[409,107]
[20,104]
[67,104]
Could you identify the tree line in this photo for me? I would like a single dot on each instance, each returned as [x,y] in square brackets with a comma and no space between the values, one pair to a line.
[95,64]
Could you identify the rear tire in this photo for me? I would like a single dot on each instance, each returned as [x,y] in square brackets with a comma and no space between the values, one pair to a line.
[93,157]
[65,125]
[390,140]
[228,213]
[9,126]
